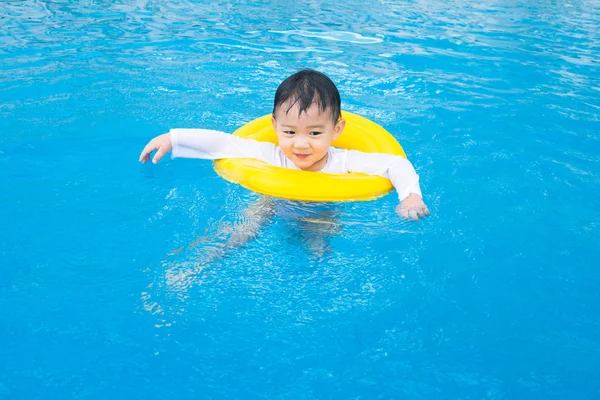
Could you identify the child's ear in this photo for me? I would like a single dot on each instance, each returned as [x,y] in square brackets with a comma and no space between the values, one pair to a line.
[274,123]
[339,128]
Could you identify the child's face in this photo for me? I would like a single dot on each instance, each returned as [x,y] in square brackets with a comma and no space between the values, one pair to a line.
[305,139]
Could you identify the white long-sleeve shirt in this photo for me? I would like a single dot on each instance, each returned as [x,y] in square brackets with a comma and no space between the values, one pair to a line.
[214,145]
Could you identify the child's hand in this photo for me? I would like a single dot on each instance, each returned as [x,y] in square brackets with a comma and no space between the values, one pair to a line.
[160,143]
[412,207]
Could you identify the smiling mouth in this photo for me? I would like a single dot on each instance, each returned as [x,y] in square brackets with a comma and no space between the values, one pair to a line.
[302,156]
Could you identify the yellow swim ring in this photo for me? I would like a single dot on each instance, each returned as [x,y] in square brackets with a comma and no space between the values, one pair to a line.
[359,134]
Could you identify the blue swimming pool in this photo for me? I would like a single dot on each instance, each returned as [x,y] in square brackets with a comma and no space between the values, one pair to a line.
[114,278]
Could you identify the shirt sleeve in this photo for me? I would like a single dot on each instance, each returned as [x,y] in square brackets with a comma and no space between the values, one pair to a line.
[395,168]
[214,145]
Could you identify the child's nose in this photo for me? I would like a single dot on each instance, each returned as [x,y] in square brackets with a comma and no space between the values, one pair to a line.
[301,143]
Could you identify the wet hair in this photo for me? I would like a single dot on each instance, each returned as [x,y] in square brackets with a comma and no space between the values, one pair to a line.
[305,88]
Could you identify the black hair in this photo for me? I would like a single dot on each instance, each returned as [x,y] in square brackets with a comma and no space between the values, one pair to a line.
[307,87]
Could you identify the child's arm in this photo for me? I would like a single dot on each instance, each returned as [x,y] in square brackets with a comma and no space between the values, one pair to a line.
[400,172]
[207,144]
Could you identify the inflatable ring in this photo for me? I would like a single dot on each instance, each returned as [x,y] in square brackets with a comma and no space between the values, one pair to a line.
[359,134]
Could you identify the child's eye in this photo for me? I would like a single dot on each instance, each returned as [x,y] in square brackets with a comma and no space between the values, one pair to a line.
[315,133]
[289,132]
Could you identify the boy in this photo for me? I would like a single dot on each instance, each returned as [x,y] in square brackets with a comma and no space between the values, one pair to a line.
[306,118]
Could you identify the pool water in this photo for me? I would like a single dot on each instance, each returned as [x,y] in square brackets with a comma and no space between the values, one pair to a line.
[117,279]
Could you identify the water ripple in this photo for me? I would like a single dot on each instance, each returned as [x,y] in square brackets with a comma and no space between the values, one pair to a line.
[348,37]
[239,44]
